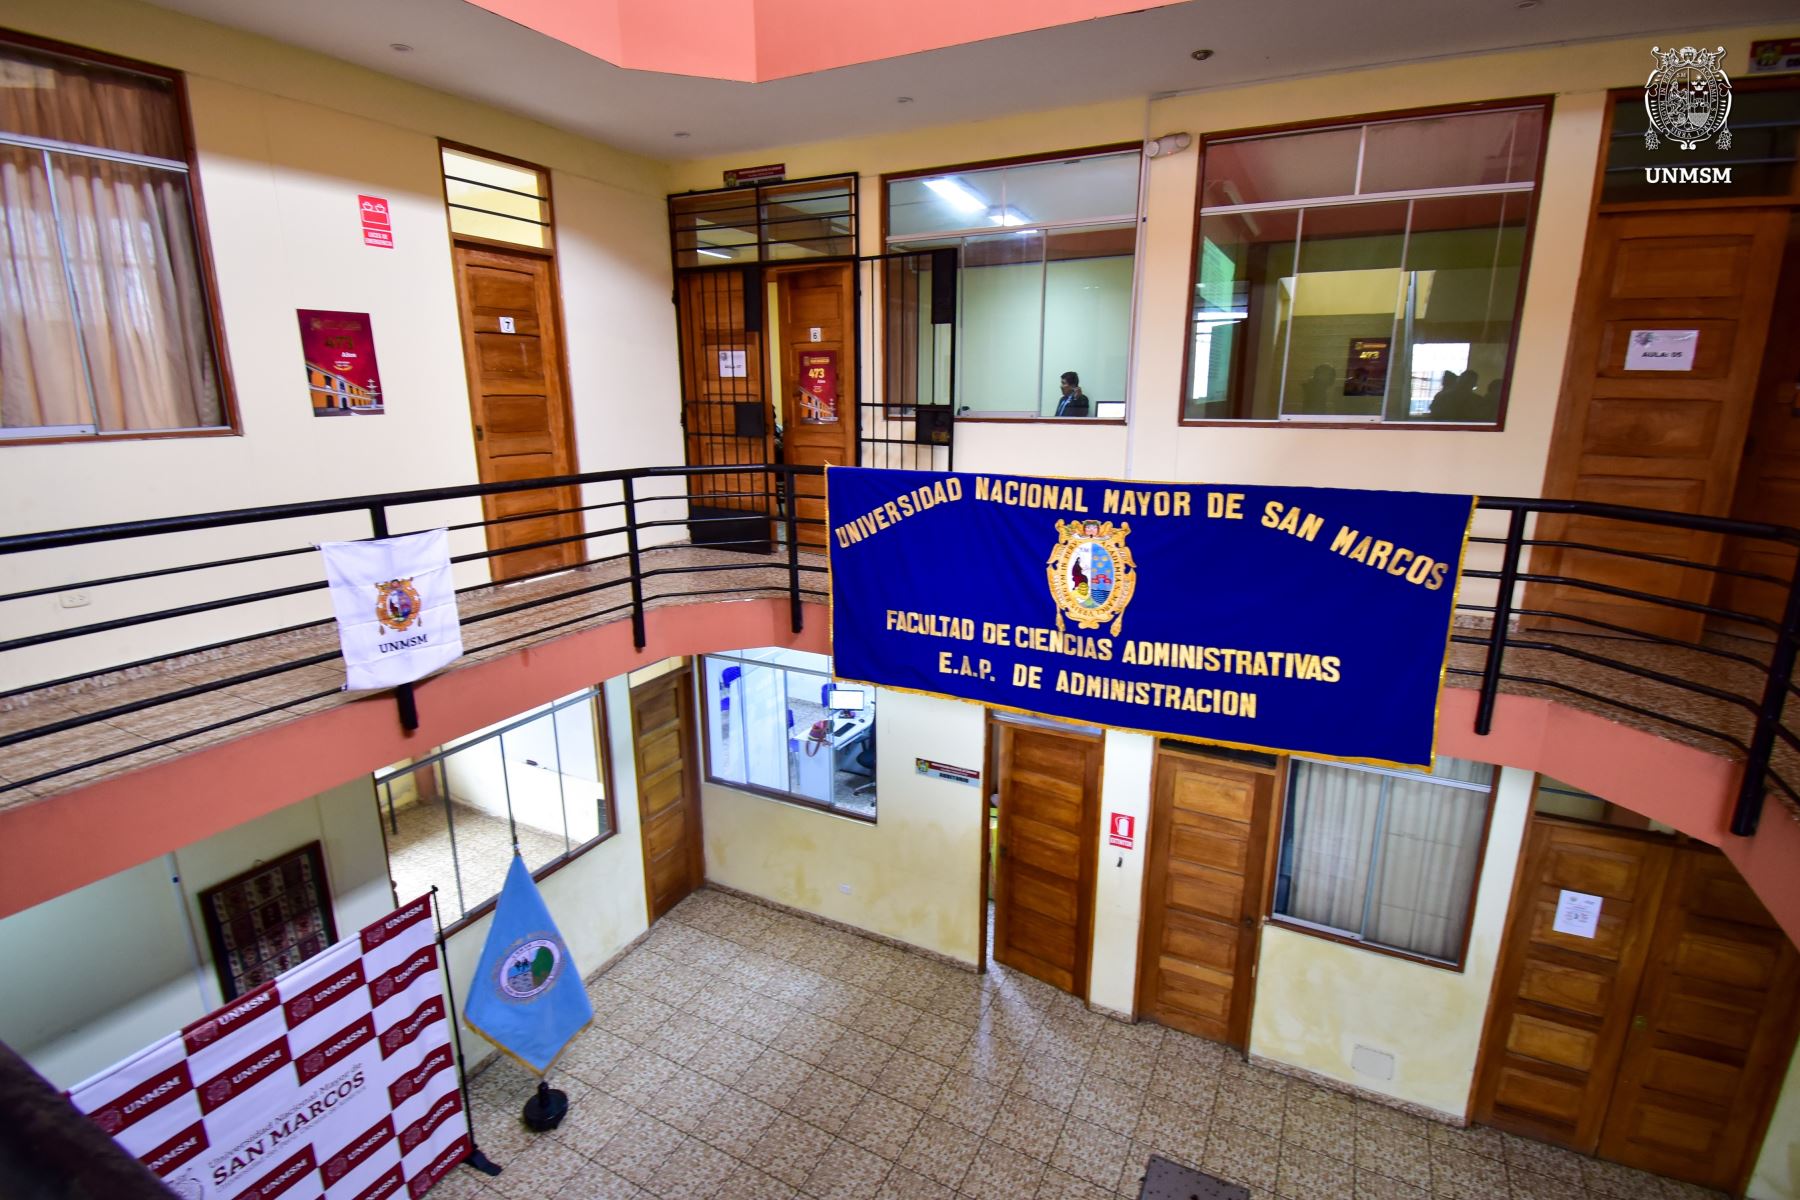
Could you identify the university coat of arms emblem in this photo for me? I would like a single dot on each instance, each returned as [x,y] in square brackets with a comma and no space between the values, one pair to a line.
[397,604]
[1091,574]
[1687,97]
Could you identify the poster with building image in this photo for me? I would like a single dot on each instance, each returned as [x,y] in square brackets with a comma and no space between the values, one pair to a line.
[342,378]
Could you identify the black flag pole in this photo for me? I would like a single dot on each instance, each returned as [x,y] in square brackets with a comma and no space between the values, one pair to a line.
[476,1158]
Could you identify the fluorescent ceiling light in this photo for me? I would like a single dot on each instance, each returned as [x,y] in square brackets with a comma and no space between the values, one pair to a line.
[712,253]
[959,195]
[1007,217]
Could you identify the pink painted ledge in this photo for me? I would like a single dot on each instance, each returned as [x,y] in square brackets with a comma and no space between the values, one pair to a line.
[57,844]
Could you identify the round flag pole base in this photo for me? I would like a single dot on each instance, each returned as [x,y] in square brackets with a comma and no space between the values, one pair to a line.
[545,1111]
[482,1163]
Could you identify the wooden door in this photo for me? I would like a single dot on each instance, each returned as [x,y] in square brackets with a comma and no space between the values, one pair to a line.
[668,799]
[818,349]
[1049,830]
[1208,848]
[512,349]
[1562,1003]
[1656,438]
[1768,487]
[725,413]
[1711,1031]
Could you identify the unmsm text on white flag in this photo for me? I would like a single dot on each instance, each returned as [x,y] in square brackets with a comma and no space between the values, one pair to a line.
[395,603]
[527,997]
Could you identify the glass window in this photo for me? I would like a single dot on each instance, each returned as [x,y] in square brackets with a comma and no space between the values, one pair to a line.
[776,723]
[1394,299]
[1761,156]
[499,201]
[1385,857]
[453,816]
[1047,252]
[104,322]
[813,218]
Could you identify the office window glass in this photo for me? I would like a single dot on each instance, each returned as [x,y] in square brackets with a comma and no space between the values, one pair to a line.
[1047,252]
[1335,266]
[777,724]
[1385,857]
[452,816]
[105,326]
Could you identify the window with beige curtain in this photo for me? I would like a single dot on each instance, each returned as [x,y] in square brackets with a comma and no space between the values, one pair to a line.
[1384,857]
[104,325]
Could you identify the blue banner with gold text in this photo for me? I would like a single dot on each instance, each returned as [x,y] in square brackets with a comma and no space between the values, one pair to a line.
[1310,620]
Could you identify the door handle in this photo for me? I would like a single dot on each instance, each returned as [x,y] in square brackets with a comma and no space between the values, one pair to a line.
[479,435]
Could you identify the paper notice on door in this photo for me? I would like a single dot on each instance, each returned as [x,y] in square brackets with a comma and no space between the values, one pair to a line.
[1577,914]
[733,364]
[1661,349]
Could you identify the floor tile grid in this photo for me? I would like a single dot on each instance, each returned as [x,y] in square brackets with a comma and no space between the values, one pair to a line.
[738,1053]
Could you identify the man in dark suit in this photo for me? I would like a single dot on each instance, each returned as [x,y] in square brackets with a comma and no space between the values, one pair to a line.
[1074,402]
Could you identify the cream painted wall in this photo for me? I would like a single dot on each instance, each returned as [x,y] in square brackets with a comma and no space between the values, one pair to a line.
[1510,462]
[1119,884]
[115,969]
[914,875]
[287,140]
[1317,1001]
[1777,1173]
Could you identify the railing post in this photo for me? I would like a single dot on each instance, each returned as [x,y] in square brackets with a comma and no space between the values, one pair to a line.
[1748,810]
[1503,606]
[631,556]
[404,699]
[796,617]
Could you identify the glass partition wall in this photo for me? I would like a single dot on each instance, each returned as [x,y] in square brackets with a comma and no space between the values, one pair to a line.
[1363,273]
[1048,254]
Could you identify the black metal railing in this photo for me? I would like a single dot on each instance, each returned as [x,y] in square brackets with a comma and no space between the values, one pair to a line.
[1529,634]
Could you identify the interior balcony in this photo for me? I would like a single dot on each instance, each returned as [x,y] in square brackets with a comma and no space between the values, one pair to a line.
[209,692]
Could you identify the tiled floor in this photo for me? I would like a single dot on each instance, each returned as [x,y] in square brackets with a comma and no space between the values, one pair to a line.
[744,1054]
[470,870]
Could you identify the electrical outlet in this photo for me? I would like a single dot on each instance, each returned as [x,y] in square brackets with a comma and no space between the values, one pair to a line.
[844,888]
[74,599]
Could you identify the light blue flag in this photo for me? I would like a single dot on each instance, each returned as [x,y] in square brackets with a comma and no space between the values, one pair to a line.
[527,997]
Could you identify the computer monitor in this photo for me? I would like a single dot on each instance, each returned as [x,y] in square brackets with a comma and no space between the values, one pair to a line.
[846,699]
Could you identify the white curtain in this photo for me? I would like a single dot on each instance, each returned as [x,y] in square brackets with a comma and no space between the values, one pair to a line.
[41,380]
[1333,827]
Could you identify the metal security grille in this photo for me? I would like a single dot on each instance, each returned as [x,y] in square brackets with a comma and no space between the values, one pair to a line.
[774,222]
[907,415]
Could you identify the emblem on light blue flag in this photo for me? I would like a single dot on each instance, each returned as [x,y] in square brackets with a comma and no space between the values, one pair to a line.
[527,997]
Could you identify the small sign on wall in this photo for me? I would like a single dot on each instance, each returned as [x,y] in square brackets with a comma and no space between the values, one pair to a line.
[1577,914]
[1661,349]
[766,173]
[733,364]
[342,378]
[377,227]
[938,770]
[1121,830]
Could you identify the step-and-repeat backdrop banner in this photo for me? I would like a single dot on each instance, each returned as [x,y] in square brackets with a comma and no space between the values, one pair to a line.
[1311,620]
[335,1079]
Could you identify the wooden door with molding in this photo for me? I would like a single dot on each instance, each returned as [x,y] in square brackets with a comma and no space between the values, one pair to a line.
[1206,862]
[519,405]
[662,722]
[1049,835]
[818,380]
[1632,434]
[726,418]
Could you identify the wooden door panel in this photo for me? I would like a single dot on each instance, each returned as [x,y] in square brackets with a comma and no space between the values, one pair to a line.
[1561,1012]
[711,317]
[1049,829]
[668,806]
[1712,1033]
[822,298]
[1661,439]
[518,404]
[1208,839]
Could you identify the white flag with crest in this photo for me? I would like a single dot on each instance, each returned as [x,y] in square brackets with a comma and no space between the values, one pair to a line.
[395,606]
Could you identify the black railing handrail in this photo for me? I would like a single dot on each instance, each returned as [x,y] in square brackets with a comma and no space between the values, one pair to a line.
[1508,578]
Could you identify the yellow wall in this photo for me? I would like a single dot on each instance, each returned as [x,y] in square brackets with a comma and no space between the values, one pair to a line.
[1316,1000]
[1119,882]
[287,140]
[1777,1173]
[914,875]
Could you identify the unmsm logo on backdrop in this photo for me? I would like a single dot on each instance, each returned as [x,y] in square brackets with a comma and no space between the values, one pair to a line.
[1688,100]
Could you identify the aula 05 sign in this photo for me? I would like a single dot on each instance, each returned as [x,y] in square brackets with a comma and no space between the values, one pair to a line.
[1310,620]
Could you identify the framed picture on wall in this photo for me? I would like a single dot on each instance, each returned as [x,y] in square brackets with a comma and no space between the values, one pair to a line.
[271,917]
